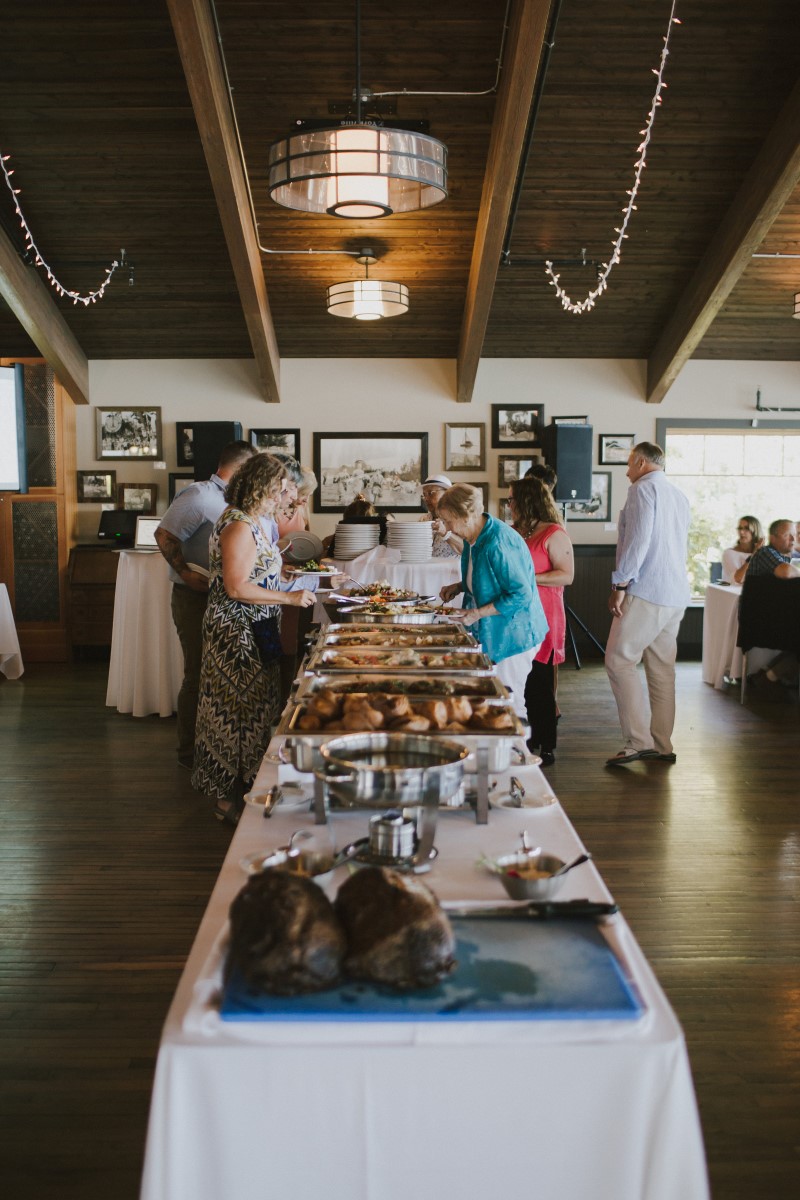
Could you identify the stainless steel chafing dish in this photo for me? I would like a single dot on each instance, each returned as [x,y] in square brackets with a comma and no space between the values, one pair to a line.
[395,635]
[356,615]
[496,746]
[371,660]
[432,686]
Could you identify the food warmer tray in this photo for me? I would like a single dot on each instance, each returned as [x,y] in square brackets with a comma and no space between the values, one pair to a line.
[302,746]
[369,660]
[358,616]
[450,635]
[487,688]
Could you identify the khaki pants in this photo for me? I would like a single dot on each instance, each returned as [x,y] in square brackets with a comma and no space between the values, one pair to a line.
[645,633]
[188,609]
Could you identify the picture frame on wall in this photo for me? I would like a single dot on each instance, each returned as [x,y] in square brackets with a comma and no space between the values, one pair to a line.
[570,420]
[177,482]
[184,440]
[614,448]
[504,510]
[483,489]
[97,487]
[511,467]
[517,426]
[464,446]
[138,497]
[599,507]
[387,468]
[128,433]
[277,441]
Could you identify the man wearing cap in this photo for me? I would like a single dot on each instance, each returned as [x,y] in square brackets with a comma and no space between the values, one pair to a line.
[445,545]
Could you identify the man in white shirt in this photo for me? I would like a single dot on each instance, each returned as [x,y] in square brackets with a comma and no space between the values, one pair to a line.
[649,593]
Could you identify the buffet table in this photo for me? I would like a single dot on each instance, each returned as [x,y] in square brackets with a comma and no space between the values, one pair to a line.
[10,656]
[426,578]
[439,1111]
[146,667]
[721,656]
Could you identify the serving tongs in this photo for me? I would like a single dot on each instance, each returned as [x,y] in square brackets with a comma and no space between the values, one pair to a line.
[536,910]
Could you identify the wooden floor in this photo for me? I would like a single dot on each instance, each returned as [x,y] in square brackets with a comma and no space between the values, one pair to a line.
[108,856]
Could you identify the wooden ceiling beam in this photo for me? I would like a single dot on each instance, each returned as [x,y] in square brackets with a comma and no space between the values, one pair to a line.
[37,312]
[197,43]
[767,187]
[520,68]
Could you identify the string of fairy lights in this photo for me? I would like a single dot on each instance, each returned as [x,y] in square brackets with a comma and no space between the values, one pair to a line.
[30,245]
[577,308]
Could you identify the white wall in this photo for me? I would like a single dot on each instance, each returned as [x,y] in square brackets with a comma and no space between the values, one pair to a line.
[384,395]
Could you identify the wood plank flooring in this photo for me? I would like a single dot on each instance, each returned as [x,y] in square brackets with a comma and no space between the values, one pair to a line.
[107,857]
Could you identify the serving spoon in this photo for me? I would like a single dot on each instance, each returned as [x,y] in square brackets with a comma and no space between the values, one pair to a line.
[576,862]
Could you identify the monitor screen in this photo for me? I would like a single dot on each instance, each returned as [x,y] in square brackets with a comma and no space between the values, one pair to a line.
[146,533]
[117,525]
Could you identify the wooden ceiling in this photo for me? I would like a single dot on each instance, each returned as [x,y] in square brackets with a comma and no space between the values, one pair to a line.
[98,117]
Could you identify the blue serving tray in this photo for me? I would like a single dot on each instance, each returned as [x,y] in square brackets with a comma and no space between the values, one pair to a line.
[508,969]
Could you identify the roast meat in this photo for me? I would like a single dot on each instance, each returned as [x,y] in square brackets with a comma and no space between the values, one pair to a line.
[285,936]
[396,932]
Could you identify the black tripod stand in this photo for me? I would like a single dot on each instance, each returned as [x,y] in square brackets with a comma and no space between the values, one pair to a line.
[573,616]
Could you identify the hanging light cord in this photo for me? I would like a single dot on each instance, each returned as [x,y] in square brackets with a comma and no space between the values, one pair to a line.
[577,308]
[30,245]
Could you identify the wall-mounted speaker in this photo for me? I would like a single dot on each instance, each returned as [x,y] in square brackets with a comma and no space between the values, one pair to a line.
[568,450]
[210,438]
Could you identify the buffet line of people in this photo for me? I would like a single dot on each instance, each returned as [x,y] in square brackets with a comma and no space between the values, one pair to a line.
[229,620]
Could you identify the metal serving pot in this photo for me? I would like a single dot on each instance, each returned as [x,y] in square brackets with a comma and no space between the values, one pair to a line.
[391,770]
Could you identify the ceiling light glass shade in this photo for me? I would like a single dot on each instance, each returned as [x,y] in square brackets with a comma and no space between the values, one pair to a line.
[358,171]
[796,312]
[367,299]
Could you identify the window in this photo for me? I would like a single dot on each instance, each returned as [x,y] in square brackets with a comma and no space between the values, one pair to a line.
[727,473]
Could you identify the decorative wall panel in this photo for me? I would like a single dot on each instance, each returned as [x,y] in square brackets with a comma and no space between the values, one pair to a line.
[35,534]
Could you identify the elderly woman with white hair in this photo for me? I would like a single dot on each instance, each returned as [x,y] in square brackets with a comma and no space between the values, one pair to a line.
[501,599]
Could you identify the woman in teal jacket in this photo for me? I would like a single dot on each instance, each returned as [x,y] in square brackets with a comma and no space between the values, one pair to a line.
[501,599]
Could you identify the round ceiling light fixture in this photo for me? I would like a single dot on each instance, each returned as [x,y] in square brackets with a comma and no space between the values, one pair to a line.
[367,299]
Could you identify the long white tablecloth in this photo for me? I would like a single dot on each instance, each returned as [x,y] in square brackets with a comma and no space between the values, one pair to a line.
[376,1111]
[146,667]
[721,655]
[427,578]
[10,656]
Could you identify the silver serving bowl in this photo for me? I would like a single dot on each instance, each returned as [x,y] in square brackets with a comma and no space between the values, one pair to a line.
[391,770]
[533,876]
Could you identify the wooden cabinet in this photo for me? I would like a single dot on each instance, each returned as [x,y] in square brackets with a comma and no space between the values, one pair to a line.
[91,579]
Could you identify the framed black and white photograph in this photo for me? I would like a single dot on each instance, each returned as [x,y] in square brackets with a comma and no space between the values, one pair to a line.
[464,447]
[128,433]
[277,441]
[184,440]
[483,489]
[614,448]
[516,426]
[387,468]
[97,487]
[504,510]
[511,467]
[177,482]
[599,507]
[138,497]
[570,420]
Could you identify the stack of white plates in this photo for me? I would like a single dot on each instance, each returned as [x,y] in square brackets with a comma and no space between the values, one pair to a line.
[352,540]
[414,540]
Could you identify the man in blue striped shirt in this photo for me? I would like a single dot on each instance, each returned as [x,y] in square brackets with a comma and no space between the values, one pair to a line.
[649,593]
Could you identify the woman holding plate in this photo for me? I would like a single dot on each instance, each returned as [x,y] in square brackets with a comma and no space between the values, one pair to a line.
[240,679]
[501,600]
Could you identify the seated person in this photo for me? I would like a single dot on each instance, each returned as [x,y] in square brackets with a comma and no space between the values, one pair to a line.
[749,538]
[360,511]
[445,545]
[773,559]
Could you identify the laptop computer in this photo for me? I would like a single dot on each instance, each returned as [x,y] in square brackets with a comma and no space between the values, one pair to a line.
[145,537]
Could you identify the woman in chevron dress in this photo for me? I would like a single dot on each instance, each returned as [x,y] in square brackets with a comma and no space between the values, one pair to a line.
[240,679]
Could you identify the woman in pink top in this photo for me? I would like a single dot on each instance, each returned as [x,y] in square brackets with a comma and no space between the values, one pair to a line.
[537,520]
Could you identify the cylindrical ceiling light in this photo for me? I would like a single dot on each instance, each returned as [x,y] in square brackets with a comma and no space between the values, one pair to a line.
[358,171]
[796,312]
[367,299]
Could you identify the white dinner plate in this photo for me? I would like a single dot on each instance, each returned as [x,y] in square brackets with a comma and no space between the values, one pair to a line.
[300,547]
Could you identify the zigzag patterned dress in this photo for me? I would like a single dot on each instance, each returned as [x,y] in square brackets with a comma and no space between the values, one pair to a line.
[239,697]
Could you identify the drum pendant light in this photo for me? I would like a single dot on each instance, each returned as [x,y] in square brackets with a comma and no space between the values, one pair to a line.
[367,299]
[357,169]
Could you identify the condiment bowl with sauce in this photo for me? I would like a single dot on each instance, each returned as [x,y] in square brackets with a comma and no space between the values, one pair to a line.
[528,876]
